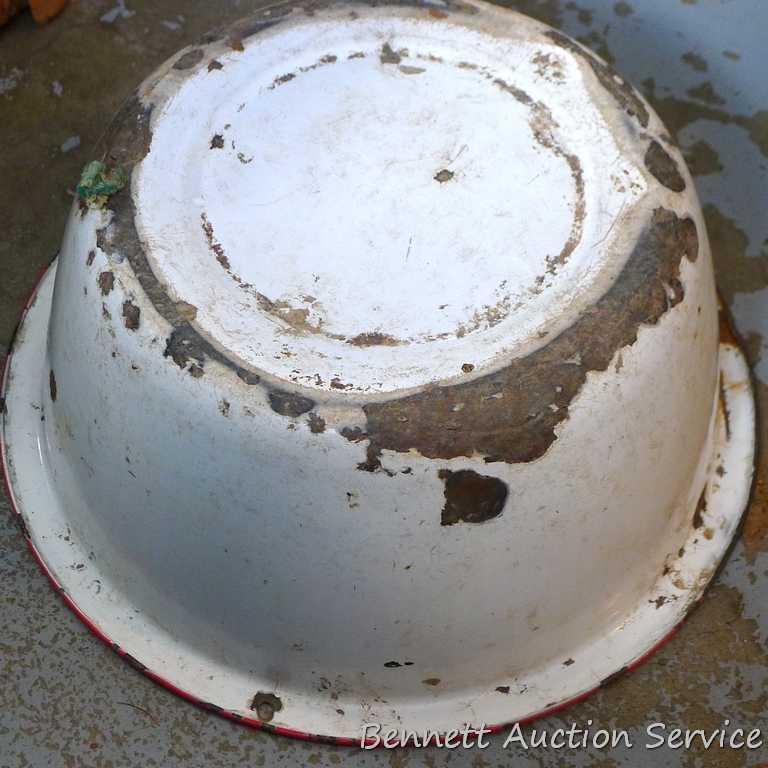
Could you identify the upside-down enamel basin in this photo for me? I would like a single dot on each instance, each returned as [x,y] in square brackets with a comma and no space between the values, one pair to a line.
[390,386]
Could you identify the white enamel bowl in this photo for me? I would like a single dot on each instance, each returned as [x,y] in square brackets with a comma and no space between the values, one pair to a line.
[390,388]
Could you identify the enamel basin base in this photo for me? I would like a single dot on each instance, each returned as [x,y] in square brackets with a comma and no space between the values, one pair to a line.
[391,389]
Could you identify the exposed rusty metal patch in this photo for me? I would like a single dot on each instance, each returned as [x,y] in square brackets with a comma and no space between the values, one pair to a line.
[106,282]
[265,705]
[316,424]
[663,167]
[620,89]
[374,339]
[289,403]
[131,315]
[471,497]
[538,388]
[390,56]
[444,175]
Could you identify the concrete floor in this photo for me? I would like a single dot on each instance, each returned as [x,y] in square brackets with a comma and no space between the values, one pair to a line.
[65,700]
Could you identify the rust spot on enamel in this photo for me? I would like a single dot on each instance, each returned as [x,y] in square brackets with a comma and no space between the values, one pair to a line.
[316,424]
[663,167]
[131,315]
[289,403]
[106,282]
[471,497]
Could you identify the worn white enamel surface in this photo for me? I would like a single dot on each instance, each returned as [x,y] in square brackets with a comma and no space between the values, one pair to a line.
[232,550]
[453,272]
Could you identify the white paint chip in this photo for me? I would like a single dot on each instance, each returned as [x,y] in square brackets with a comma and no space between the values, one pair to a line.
[73,142]
[118,12]
[10,81]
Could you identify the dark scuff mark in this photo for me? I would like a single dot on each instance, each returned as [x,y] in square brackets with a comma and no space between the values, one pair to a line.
[131,315]
[502,689]
[611,679]
[408,70]
[520,427]
[134,662]
[289,404]
[701,508]
[726,411]
[52,385]
[217,141]
[214,64]
[470,497]
[443,176]
[621,90]
[91,257]
[664,169]
[282,80]
[247,376]
[265,705]
[389,56]
[316,424]
[22,527]
[354,435]
[189,59]
[106,282]
[568,662]
[392,664]
[431,681]
[215,708]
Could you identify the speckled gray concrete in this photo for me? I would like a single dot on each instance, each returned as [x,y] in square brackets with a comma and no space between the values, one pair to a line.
[65,700]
